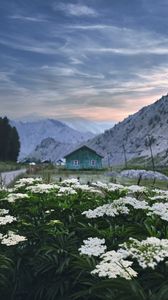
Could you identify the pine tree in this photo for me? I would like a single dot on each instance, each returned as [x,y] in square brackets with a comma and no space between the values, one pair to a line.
[9,141]
[14,145]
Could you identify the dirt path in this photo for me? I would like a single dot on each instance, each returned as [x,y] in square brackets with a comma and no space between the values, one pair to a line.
[8,177]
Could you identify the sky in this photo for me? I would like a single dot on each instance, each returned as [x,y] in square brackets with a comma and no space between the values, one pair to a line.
[99,60]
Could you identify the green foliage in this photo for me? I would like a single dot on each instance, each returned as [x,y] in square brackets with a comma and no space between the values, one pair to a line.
[48,266]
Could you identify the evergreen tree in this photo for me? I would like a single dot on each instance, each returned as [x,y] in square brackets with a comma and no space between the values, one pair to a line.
[14,144]
[9,141]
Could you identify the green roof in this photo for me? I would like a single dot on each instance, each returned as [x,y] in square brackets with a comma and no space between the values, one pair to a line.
[84,146]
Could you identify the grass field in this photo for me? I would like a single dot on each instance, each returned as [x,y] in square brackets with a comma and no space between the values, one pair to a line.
[10,166]
[85,176]
[51,173]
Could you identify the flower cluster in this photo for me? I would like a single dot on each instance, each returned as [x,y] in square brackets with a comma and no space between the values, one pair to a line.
[159,198]
[111,187]
[11,239]
[148,252]
[70,182]
[12,197]
[119,206]
[161,192]
[137,189]
[136,204]
[27,181]
[42,188]
[93,246]
[112,210]
[113,265]
[6,219]
[159,209]
[66,190]
[3,212]
[160,195]
[86,188]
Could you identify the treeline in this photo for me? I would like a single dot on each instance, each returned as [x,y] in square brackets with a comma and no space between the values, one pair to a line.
[9,141]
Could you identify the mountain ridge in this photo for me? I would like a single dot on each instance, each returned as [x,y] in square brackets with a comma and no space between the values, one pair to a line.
[130,138]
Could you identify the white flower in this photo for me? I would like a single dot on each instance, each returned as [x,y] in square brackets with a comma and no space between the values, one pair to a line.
[117,207]
[42,188]
[148,252]
[159,197]
[6,219]
[86,188]
[100,184]
[113,265]
[161,192]
[108,186]
[93,246]
[11,239]
[67,190]
[159,209]
[137,189]
[115,187]
[112,210]
[137,204]
[26,181]
[4,212]
[12,197]
[69,182]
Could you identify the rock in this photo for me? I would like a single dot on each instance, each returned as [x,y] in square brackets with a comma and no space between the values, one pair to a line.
[144,174]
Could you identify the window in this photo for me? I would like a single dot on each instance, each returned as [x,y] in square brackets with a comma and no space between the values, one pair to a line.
[93,162]
[76,162]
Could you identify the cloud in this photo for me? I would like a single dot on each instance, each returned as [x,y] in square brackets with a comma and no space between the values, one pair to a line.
[77,10]
[33,45]
[75,61]
[28,18]
[100,68]
[121,41]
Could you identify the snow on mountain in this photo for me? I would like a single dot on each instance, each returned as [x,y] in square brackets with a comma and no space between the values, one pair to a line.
[130,138]
[32,133]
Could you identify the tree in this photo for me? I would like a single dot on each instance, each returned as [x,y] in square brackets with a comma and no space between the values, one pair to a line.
[14,145]
[148,143]
[125,157]
[9,141]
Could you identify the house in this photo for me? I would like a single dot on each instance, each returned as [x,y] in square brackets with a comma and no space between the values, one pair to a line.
[83,158]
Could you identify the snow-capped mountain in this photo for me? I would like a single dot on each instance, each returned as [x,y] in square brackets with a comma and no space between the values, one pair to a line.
[132,137]
[32,133]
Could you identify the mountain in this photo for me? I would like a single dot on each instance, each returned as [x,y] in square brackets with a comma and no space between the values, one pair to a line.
[136,136]
[84,125]
[32,133]
[49,149]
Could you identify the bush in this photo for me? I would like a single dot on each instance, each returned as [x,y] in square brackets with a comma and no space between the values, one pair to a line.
[53,235]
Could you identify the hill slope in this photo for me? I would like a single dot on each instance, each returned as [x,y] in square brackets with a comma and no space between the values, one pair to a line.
[51,150]
[133,135]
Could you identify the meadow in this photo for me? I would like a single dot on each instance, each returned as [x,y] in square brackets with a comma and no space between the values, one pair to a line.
[67,241]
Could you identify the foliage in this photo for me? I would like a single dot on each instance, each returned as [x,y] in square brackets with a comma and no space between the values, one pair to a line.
[39,249]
